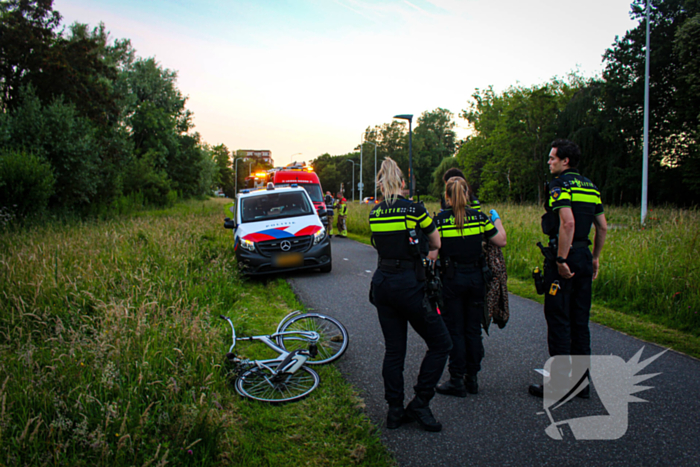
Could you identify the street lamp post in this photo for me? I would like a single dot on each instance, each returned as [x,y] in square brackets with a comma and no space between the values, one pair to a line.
[409,117]
[361,185]
[235,164]
[353,179]
[645,148]
[375,169]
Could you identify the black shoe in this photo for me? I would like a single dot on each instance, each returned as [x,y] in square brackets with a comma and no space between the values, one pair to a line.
[470,382]
[419,410]
[536,390]
[396,417]
[452,387]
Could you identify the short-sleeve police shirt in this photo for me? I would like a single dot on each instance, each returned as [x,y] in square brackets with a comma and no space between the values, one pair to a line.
[574,191]
[463,245]
[390,224]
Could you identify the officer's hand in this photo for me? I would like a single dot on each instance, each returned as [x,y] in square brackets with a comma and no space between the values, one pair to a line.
[596,266]
[433,255]
[494,215]
[564,271]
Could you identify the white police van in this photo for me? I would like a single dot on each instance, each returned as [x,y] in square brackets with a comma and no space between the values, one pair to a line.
[278,230]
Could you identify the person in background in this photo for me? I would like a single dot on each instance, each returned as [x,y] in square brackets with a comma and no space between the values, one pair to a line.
[343,218]
[330,202]
[462,229]
[398,292]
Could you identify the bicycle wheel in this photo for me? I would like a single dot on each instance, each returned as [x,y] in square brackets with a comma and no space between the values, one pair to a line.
[263,385]
[333,340]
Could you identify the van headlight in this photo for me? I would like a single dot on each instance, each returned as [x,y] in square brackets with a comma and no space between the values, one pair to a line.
[320,235]
[247,244]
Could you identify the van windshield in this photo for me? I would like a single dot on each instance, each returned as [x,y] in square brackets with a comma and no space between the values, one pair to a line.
[275,205]
[313,189]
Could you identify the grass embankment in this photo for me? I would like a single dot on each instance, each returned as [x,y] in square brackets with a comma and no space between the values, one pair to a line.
[649,283]
[111,352]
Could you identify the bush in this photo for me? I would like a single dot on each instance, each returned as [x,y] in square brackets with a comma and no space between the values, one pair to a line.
[142,177]
[26,183]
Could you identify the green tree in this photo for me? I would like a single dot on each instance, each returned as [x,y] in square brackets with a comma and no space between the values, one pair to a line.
[27,31]
[57,134]
[673,102]
[506,158]
[224,178]
[434,139]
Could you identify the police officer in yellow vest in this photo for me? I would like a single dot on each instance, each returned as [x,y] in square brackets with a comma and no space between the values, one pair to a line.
[462,229]
[398,292]
[343,218]
[573,206]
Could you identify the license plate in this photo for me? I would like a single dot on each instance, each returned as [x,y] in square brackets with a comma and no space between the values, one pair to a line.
[288,260]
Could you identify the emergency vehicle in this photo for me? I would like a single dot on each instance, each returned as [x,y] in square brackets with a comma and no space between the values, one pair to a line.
[303,176]
[277,229]
[257,180]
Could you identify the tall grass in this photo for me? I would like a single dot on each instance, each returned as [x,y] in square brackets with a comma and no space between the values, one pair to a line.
[651,271]
[111,352]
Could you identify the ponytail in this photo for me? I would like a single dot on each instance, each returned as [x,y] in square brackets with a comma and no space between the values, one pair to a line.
[457,193]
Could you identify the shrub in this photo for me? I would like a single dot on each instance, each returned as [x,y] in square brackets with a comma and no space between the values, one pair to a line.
[26,183]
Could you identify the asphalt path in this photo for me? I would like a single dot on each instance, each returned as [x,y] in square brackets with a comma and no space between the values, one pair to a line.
[503,424]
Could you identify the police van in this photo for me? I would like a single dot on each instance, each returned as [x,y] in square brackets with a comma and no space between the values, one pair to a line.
[277,229]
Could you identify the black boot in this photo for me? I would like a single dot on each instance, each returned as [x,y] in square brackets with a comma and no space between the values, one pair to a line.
[536,390]
[471,384]
[419,410]
[452,387]
[396,417]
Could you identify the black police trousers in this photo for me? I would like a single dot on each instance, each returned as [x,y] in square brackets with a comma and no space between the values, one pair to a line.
[400,300]
[567,313]
[463,298]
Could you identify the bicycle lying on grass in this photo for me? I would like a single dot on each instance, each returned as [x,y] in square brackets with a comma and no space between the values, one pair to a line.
[301,339]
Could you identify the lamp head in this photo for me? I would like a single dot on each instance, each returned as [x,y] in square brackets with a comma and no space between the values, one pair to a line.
[408,117]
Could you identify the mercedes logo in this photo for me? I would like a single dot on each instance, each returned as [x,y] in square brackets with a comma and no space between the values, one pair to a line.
[286,245]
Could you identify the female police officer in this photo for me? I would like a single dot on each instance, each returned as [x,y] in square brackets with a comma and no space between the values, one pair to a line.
[398,293]
[461,233]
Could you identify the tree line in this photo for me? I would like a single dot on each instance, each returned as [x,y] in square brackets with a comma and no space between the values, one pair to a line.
[87,126]
[505,156]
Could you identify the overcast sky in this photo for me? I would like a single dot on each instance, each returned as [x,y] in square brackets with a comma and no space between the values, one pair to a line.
[308,76]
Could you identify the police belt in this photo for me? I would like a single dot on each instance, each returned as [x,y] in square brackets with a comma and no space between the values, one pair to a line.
[580,243]
[466,266]
[396,265]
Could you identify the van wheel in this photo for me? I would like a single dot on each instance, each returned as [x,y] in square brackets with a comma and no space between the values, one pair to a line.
[327,268]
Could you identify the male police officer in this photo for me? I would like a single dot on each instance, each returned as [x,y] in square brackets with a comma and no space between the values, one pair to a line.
[573,206]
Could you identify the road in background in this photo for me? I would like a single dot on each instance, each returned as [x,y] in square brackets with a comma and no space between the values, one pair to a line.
[503,424]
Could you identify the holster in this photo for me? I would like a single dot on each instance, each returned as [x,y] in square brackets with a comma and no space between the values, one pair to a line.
[448,268]
[549,252]
[420,271]
[485,270]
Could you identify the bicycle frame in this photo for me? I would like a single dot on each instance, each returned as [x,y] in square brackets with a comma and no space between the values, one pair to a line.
[311,337]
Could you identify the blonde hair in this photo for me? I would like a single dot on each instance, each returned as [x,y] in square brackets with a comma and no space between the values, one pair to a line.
[389,180]
[457,193]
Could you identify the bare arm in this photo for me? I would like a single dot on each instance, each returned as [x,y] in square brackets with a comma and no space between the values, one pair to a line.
[601,230]
[566,236]
[500,238]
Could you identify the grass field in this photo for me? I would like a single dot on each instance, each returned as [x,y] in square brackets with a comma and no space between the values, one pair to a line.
[650,274]
[111,352]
